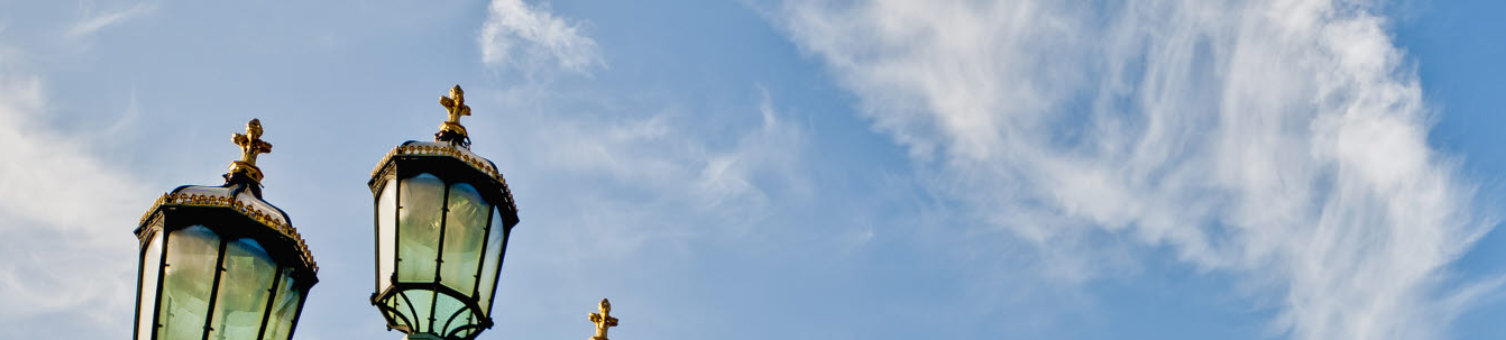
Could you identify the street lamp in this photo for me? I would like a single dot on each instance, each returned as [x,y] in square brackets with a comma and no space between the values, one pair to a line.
[218,262]
[443,215]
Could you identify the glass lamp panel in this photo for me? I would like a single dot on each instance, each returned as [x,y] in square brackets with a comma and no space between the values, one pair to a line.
[422,302]
[449,314]
[400,312]
[421,198]
[386,230]
[243,294]
[466,318]
[465,225]
[151,263]
[188,279]
[493,258]
[284,307]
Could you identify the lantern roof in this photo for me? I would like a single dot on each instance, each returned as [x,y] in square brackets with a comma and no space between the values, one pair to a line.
[447,150]
[234,197]
[452,141]
[241,193]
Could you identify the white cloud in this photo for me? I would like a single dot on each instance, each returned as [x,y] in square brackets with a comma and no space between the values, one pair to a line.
[1279,140]
[519,35]
[664,155]
[67,217]
[620,195]
[94,22]
[728,177]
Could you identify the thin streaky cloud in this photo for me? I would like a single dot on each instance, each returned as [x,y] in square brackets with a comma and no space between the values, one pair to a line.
[1282,141]
[69,205]
[647,148]
[94,22]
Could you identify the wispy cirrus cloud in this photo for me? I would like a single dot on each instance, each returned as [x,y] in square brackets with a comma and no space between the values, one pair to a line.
[629,181]
[631,191]
[93,21]
[69,207]
[1282,141]
[659,153]
[525,36]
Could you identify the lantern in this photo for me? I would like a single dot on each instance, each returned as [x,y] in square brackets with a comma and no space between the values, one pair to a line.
[218,262]
[443,215]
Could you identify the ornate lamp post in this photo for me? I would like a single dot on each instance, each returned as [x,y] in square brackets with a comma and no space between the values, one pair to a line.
[443,215]
[218,262]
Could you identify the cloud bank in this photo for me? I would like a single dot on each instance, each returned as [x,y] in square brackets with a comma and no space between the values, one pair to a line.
[520,35]
[1282,141]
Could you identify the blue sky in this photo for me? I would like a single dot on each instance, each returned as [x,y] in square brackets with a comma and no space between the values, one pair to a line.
[888,169]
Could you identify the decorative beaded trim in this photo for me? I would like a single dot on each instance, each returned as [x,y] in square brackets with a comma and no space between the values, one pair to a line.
[196,200]
[478,163]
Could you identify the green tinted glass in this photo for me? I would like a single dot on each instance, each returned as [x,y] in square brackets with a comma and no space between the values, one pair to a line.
[449,314]
[284,307]
[188,279]
[464,227]
[421,302]
[243,291]
[421,198]
[151,263]
[493,260]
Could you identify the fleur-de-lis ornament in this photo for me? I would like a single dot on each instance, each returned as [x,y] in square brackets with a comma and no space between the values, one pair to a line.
[603,320]
[251,146]
[451,130]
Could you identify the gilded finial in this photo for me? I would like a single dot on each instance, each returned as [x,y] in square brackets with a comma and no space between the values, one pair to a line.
[251,146]
[603,320]
[455,105]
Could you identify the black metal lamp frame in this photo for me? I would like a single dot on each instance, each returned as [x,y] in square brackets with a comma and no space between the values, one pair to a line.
[450,171]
